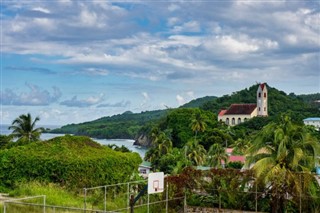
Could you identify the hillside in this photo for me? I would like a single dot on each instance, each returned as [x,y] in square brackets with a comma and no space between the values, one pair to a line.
[66,161]
[129,125]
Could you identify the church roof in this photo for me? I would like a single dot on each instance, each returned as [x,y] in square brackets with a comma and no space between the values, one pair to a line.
[222,112]
[262,86]
[241,109]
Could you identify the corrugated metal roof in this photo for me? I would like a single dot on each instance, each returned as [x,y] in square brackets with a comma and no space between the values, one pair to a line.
[312,119]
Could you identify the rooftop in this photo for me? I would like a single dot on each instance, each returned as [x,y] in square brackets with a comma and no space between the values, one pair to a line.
[241,109]
[312,119]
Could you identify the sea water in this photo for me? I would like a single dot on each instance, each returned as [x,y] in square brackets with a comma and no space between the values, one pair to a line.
[119,142]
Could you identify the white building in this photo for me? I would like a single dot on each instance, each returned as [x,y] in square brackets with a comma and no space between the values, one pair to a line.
[238,113]
[313,122]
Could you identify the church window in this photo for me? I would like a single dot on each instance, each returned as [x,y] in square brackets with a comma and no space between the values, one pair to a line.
[259,109]
[259,94]
[233,121]
[239,120]
[265,94]
[265,109]
[245,119]
[227,121]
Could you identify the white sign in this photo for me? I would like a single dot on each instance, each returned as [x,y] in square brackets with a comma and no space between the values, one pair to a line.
[155,182]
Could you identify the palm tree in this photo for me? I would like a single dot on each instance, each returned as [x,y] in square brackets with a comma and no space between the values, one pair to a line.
[283,155]
[24,128]
[216,155]
[198,123]
[195,153]
[241,145]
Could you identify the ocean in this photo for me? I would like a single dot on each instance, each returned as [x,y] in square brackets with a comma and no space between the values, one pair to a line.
[119,142]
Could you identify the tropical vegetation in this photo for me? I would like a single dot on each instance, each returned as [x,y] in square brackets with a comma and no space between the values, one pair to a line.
[23,128]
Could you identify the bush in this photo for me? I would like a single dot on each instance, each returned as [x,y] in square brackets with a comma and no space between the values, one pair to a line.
[71,161]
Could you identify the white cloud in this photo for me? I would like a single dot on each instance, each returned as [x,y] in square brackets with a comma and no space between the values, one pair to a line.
[191,26]
[35,97]
[173,7]
[145,95]
[90,101]
[41,9]
[180,100]
[88,18]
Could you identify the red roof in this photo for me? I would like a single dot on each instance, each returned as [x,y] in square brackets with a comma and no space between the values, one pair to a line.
[262,85]
[221,113]
[241,109]
[229,150]
[242,159]
[235,158]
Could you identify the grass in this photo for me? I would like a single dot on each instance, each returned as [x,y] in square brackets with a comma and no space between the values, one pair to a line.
[55,195]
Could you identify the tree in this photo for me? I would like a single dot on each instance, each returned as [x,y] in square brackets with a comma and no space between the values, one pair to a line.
[5,141]
[198,123]
[216,155]
[24,128]
[283,154]
[195,153]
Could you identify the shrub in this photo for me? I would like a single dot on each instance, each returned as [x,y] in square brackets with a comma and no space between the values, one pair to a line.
[71,161]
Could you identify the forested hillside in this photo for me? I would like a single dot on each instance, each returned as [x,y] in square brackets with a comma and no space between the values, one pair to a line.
[123,126]
[131,125]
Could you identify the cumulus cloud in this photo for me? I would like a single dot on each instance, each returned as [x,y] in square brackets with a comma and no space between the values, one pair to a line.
[180,100]
[30,69]
[121,104]
[90,101]
[36,96]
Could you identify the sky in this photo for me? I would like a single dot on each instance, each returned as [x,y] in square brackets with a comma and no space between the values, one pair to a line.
[75,61]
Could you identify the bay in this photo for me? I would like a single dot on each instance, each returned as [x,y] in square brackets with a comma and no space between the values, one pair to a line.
[119,142]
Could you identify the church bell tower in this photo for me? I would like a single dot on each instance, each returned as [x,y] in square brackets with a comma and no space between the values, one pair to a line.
[262,100]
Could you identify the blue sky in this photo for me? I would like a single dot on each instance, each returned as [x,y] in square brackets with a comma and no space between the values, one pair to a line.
[74,61]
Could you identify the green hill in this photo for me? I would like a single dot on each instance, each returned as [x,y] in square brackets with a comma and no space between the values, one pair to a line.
[67,161]
[129,125]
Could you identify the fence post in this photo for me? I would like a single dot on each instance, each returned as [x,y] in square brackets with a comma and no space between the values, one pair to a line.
[128,203]
[105,198]
[185,203]
[4,207]
[300,194]
[85,200]
[44,203]
[256,196]
[167,197]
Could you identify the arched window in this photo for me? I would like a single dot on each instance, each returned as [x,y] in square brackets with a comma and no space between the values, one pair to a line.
[220,120]
[265,94]
[245,119]
[259,94]
[265,109]
[233,121]
[239,120]
[227,121]
[259,109]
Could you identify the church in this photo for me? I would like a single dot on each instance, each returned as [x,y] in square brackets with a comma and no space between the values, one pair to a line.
[238,113]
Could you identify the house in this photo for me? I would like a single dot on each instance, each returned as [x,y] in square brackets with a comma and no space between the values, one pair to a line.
[313,122]
[238,113]
[144,169]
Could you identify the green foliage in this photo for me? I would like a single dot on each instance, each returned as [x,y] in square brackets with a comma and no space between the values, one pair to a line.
[123,126]
[279,102]
[24,129]
[55,194]
[278,152]
[178,121]
[71,161]
[198,102]
[235,165]
[5,141]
